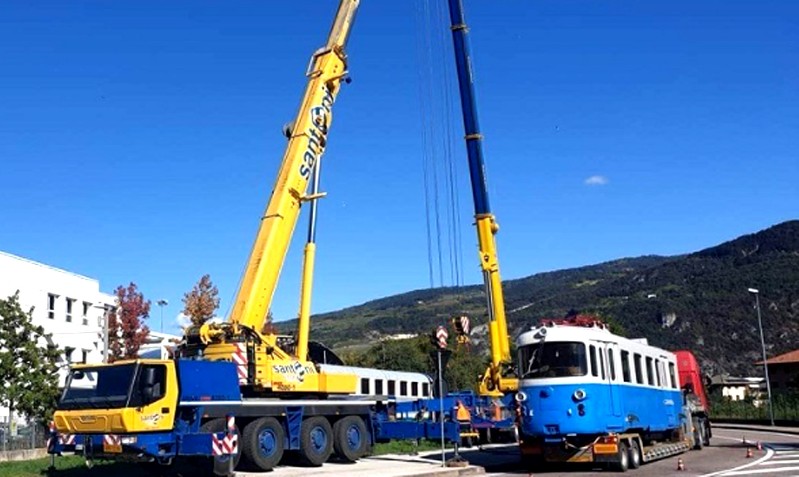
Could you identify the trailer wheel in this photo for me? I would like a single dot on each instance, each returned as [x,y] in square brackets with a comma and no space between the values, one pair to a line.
[220,463]
[262,443]
[351,439]
[707,433]
[635,454]
[622,458]
[316,441]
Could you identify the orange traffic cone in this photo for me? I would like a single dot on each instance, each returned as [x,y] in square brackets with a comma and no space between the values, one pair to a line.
[680,465]
[759,446]
[749,453]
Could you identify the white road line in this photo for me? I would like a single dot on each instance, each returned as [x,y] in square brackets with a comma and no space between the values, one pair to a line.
[769,453]
[762,471]
[780,462]
[791,455]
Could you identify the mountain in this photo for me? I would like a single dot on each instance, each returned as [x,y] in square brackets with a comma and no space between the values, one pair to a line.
[697,301]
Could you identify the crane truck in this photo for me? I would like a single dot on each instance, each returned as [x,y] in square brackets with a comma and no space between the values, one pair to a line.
[237,390]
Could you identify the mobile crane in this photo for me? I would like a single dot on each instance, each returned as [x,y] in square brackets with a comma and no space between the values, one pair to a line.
[498,379]
[239,376]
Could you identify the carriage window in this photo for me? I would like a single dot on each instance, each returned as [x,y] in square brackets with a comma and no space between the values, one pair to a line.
[592,355]
[364,385]
[657,371]
[625,366]
[663,375]
[553,360]
[612,365]
[403,388]
[671,375]
[602,363]
[392,387]
[379,387]
[426,389]
[650,372]
[414,389]
[639,375]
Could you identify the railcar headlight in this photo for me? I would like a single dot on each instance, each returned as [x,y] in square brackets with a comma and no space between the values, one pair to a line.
[128,440]
[579,395]
[521,396]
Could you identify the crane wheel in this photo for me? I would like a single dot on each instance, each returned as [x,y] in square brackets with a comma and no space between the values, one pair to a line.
[316,441]
[262,443]
[350,438]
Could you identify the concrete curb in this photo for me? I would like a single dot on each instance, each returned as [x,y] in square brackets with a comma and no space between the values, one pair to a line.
[26,454]
[754,427]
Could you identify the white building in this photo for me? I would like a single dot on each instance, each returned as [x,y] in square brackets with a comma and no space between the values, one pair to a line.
[67,305]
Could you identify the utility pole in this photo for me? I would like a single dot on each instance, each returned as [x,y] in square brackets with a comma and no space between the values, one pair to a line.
[756,293]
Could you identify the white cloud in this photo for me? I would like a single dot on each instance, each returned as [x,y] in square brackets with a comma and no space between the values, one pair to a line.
[184,321]
[596,181]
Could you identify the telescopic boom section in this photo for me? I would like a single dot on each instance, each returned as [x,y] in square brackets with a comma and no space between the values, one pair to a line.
[496,380]
[306,144]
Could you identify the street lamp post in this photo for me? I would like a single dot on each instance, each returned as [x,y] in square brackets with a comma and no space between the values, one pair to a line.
[756,293]
[161,304]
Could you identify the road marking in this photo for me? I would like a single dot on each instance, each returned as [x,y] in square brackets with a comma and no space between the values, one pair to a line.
[780,462]
[762,471]
[769,453]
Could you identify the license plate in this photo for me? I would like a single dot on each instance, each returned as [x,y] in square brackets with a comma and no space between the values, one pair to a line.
[112,448]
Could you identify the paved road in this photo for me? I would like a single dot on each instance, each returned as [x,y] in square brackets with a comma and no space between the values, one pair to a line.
[726,457]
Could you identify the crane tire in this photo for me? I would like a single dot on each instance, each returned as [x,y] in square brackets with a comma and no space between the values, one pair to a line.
[350,438]
[316,441]
[262,443]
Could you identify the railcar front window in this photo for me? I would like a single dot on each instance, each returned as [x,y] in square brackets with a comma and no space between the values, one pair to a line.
[102,387]
[553,360]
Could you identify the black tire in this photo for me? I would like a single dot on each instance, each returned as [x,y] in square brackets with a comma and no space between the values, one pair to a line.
[220,464]
[316,441]
[623,458]
[635,454]
[350,438]
[699,434]
[262,443]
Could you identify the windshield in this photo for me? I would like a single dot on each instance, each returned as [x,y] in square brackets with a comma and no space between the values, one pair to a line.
[552,360]
[102,387]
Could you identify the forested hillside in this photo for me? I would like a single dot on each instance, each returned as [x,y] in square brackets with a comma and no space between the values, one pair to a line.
[696,301]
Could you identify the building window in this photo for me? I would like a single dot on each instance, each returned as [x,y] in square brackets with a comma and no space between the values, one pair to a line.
[85,315]
[68,354]
[51,305]
[70,303]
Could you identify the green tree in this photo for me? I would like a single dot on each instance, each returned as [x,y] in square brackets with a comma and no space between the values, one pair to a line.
[27,365]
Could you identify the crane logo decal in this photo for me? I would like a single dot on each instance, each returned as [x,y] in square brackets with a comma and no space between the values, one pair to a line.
[295,371]
[320,116]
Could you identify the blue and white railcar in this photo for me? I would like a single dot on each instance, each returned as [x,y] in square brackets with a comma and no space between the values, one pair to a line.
[578,383]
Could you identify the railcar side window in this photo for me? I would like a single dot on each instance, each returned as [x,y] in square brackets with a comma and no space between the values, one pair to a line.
[415,389]
[657,371]
[392,387]
[426,389]
[592,355]
[602,362]
[612,365]
[403,388]
[379,387]
[671,375]
[650,372]
[364,385]
[625,366]
[639,375]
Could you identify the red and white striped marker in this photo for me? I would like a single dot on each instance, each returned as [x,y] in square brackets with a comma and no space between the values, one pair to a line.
[464,324]
[240,358]
[112,440]
[230,443]
[441,337]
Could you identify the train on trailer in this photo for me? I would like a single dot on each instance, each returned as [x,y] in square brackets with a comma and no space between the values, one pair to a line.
[588,395]
[237,390]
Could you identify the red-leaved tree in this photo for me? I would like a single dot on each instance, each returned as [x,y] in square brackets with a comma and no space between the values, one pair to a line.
[126,328]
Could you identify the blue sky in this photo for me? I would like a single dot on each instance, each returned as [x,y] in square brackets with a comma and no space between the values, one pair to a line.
[139,140]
